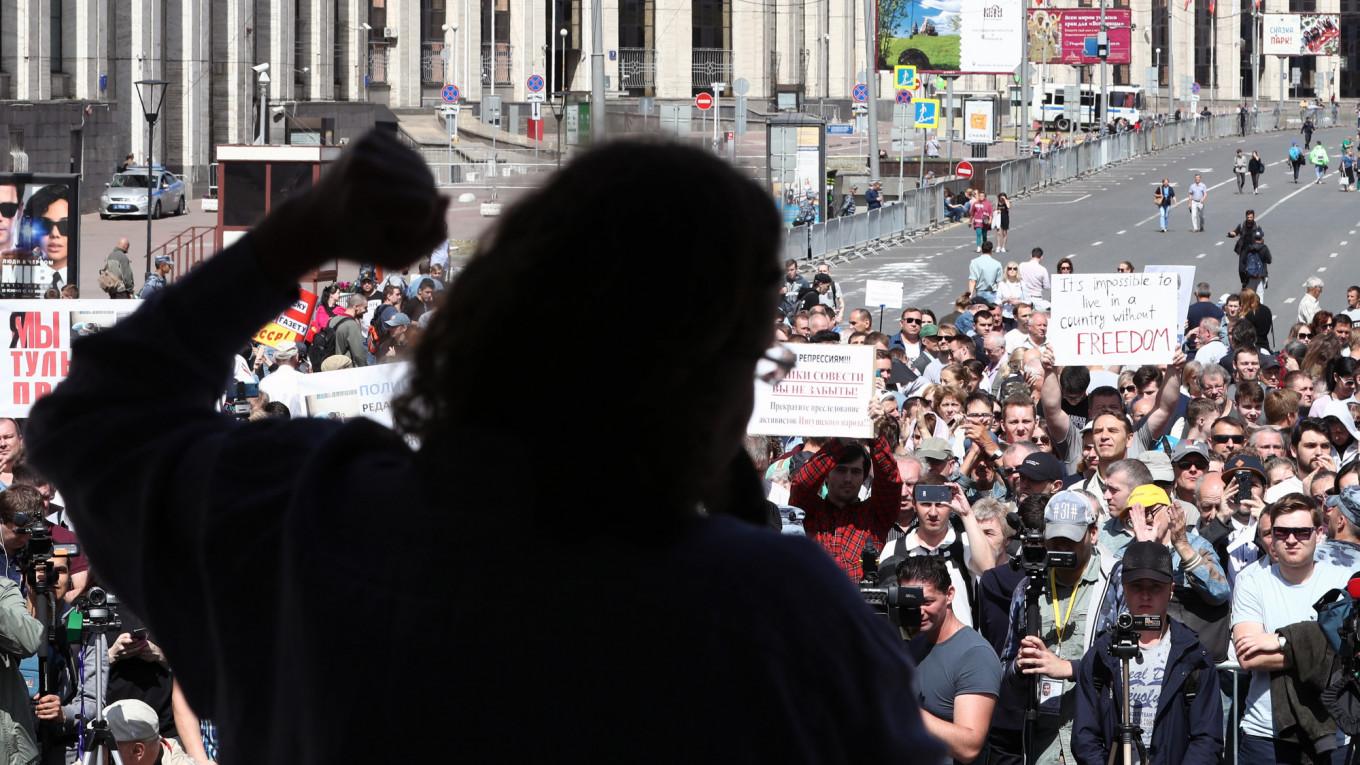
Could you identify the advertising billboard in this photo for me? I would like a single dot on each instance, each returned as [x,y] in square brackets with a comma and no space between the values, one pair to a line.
[39,233]
[990,36]
[1301,34]
[970,36]
[1059,35]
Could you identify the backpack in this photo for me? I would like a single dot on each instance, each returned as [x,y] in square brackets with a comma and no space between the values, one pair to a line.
[1255,266]
[1294,154]
[110,281]
[324,344]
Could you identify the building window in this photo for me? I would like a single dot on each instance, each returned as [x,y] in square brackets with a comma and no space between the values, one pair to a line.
[56,36]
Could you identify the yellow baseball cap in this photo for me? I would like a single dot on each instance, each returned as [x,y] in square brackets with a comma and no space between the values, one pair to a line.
[1148,495]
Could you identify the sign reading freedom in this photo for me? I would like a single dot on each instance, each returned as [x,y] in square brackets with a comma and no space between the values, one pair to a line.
[1114,319]
[826,395]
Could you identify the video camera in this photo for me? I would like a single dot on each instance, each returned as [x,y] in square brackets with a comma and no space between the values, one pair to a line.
[238,399]
[1124,643]
[1035,558]
[902,605]
[98,610]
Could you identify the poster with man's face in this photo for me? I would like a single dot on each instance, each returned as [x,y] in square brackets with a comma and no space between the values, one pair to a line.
[39,234]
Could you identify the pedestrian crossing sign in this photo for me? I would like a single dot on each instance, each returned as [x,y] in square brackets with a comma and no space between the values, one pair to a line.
[927,113]
[904,77]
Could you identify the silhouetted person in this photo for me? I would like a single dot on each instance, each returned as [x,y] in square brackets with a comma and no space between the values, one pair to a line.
[566,599]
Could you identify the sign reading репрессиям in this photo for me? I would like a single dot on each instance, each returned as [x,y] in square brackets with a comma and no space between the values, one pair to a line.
[826,394]
[1114,319]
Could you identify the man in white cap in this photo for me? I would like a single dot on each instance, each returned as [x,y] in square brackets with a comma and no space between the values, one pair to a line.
[281,385]
[136,730]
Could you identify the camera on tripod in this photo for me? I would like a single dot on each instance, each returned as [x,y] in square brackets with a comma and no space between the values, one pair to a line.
[238,399]
[1036,559]
[902,605]
[40,547]
[1124,642]
[99,611]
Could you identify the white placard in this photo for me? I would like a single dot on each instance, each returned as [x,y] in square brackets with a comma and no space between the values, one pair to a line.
[1185,289]
[826,394]
[990,35]
[886,294]
[1114,319]
[978,124]
[354,392]
[1282,34]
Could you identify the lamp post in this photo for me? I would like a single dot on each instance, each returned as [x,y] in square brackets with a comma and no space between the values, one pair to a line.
[562,94]
[152,94]
[363,52]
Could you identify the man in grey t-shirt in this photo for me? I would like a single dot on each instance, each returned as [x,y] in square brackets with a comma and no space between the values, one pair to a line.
[958,673]
[1199,193]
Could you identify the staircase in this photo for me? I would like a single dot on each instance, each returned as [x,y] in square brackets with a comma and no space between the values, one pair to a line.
[188,248]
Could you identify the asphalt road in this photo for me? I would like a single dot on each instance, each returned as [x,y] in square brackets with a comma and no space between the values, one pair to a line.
[1109,216]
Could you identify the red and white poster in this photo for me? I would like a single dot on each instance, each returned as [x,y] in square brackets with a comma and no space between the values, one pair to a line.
[38,344]
[1059,35]
[291,325]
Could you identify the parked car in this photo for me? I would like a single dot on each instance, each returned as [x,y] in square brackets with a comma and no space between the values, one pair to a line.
[126,194]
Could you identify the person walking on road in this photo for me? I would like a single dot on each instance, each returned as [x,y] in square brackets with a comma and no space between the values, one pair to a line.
[1295,159]
[1253,262]
[1310,303]
[1245,234]
[1256,167]
[1240,169]
[1198,194]
[1165,197]
[1348,167]
[1307,131]
[1242,120]
[982,218]
[1318,157]
[1003,206]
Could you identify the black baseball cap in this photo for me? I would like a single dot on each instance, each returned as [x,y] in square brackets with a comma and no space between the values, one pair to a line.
[1041,466]
[1147,560]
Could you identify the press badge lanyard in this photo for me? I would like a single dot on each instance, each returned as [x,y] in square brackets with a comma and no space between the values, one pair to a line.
[1060,621]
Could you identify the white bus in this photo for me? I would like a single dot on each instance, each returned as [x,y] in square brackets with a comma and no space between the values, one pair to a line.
[1126,101]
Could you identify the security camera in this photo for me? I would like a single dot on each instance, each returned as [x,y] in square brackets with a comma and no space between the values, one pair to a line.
[261,68]
[450,27]
[365,26]
[277,110]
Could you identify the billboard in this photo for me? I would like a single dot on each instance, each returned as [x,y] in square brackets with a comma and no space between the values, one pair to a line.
[39,233]
[990,36]
[1301,34]
[38,335]
[1059,35]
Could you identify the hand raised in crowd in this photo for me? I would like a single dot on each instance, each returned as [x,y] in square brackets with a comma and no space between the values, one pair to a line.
[48,708]
[959,501]
[1035,659]
[1149,524]
[380,186]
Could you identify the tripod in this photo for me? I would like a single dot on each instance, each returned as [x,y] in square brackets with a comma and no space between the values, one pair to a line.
[1125,648]
[1034,591]
[102,746]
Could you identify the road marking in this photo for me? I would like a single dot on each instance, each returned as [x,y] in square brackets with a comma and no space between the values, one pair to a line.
[1333,255]
[1286,198]
[1288,300]
[938,254]
[1218,244]
[1120,231]
[1343,243]
[1096,244]
[1200,255]
[1321,269]
[1068,202]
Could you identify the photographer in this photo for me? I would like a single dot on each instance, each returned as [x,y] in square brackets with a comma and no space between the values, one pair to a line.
[1267,599]
[1173,692]
[1045,655]
[20,636]
[957,672]
[70,703]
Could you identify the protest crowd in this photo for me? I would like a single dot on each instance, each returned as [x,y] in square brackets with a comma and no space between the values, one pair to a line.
[1085,562]
[1219,491]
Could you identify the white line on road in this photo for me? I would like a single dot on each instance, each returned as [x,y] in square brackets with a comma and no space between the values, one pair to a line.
[1120,231]
[1321,269]
[1096,244]
[1333,255]
[1288,300]
[1200,255]
[1218,244]
[1343,243]
[1286,198]
[1068,202]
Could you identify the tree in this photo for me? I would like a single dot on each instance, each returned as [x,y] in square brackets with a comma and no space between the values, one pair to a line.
[891,15]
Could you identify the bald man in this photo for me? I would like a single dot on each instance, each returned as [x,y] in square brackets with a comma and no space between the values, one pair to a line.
[117,267]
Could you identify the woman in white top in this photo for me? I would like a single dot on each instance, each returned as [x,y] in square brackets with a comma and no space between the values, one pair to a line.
[1009,292]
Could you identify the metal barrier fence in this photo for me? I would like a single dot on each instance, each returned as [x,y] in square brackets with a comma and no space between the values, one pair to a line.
[919,209]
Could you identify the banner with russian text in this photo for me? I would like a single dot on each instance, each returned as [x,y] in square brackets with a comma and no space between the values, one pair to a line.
[826,394]
[38,344]
[1114,319]
[355,392]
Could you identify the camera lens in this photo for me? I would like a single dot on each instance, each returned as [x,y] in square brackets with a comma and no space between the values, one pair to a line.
[97,596]
[1125,621]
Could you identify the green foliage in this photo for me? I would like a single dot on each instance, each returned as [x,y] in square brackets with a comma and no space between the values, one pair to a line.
[942,50]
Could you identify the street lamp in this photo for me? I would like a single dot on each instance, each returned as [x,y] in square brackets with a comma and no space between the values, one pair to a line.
[152,94]
[561,94]
[364,49]
[262,70]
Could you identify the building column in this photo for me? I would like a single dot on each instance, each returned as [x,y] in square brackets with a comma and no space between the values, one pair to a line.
[282,53]
[403,72]
[189,93]
[467,49]
[674,29]
[91,23]
[236,51]
[317,35]
[351,46]
[144,51]
[752,43]
[847,46]
[611,44]
[33,51]
[1227,53]
[521,58]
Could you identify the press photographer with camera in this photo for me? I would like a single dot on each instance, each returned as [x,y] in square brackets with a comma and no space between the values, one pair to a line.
[20,636]
[1040,659]
[1173,687]
[1266,599]
[957,671]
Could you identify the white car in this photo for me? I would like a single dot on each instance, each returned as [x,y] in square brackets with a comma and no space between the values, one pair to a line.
[126,194]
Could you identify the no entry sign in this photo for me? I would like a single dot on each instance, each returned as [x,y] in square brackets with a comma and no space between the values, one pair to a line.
[965,169]
[704,101]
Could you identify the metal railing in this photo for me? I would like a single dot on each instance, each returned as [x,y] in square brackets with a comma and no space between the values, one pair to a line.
[378,58]
[710,65]
[637,68]
[480,173]
[432,63]
[188,248]
[920,209]
[502,63]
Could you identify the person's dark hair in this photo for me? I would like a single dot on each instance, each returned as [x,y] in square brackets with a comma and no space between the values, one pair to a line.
[25,474]
[43,199]
[1296,351]
[1066,262]
[976,367]
[1314,424]
[1242,335]
[1074,380]
[1032,511]
[1341,366]
[523,262]
[1147,374]
[1320,321]
[1230,420]
[1105,390]
[1249,393]
[875,338]
[1350,467]
[926,569]
[979,395]
[389,290]
[1323,349]
[1341,318]
[1292,503]
[277,409]
[1037,252]
[824,336]
[19,499]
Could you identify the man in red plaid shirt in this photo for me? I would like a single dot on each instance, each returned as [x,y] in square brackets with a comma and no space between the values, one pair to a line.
[841,522]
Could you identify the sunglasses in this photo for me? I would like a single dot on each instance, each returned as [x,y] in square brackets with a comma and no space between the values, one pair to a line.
[1302,533]
[1223,439]
[1042,440]
[1305,335]
[61,226]
[1130,388]
[8,209]
[911,321]
[1199,465]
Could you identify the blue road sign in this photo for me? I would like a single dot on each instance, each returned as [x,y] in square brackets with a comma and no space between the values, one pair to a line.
[1089,47]
[840,129]
[861,92]
[534,83]
[450,93]
[927,113]
[904,96]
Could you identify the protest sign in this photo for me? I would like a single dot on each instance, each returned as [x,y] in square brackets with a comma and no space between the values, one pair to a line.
[291,325]
[886,294]
[826,394]
[38,341]
[1183,290]
[1114,319]
[355,392]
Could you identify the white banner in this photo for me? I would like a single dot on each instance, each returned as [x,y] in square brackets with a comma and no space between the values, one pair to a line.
[355,392]
[1114,319]
[1281,34]
[37,336]
[1186,274]
[826,394]
[881,293]
[990,36]
[978,121]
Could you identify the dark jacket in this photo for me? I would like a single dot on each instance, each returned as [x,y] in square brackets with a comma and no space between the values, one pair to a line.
[1260,247]
[1186,732]
[1296,705]
[1244,234]
[1255,165]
